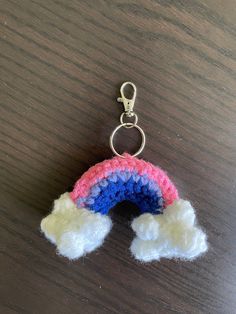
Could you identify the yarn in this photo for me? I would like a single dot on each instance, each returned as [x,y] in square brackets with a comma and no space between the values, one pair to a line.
[121,186]
[174,234]
[75,231]
[137,180]
[166,227]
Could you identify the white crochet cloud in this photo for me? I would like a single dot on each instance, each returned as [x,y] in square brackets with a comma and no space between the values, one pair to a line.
[75,231]
[173,234]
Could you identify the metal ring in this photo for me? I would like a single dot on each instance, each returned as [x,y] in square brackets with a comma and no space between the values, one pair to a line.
[130,125]
[122,121]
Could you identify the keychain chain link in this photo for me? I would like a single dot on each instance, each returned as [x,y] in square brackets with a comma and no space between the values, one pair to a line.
[128,106]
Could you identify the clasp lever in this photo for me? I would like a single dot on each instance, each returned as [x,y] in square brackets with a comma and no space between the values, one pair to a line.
[128,103]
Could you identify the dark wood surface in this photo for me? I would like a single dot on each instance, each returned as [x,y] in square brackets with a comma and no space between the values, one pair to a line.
[62,63]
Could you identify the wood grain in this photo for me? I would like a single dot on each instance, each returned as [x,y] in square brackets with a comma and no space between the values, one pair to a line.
[62,63]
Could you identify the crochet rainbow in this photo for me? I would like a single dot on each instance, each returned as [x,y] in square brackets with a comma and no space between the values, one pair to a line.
[119,179]
[167,227]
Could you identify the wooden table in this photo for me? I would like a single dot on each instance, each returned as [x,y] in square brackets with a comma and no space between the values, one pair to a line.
[62,64]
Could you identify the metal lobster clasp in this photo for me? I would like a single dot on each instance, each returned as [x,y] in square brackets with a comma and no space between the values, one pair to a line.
[128,103]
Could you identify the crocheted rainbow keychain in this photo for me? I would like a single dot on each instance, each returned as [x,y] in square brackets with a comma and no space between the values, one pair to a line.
[166,227]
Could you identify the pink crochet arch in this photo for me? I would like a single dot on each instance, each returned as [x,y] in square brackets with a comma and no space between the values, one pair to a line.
[101,170]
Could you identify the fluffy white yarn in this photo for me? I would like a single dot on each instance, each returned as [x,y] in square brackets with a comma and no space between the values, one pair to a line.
[174,234]
[75,231]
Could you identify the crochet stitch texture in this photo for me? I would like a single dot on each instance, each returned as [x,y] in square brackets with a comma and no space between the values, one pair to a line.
[118,179]
[166,228]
